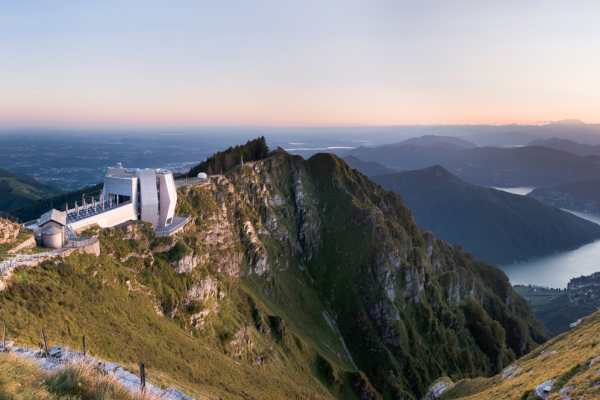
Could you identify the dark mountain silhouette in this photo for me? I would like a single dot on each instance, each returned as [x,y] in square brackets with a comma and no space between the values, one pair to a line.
[369,168]
[490,166]
[434,140]
[568,145]
[496,226]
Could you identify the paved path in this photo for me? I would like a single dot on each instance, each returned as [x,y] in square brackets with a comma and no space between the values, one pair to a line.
[61,356]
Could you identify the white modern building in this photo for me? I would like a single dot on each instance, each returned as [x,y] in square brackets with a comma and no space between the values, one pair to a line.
[151,194]
[128,195]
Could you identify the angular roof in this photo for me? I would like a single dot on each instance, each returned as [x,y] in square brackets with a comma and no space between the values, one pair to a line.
[53,215]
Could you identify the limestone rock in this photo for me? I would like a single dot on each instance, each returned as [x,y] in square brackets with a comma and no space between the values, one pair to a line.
[440,386]
[543,389]
[186,264]
[8,231]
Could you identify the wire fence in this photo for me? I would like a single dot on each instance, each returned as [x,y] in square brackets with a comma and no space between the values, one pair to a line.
[50,338]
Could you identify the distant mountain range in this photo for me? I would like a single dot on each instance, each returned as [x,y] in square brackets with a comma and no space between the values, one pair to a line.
[567,145]
[571,129]
[496,226]
[17,189]
[489,166]
[581,196]
[435,141]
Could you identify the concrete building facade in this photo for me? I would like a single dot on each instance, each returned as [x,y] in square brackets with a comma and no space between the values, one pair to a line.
[127,195]
[143,188]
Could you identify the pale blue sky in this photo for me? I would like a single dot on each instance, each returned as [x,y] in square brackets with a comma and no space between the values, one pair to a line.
[186,63]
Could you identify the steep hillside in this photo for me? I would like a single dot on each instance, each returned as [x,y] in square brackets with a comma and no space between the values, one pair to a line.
[18,189]
[494,225]
[581,196]
[566,367]
[296,279]
[580,299]
[490,166]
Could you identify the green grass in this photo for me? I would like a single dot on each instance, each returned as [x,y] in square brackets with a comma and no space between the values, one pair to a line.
[23,380]
[17,189]
[265,336]
[566,358]
[24,234]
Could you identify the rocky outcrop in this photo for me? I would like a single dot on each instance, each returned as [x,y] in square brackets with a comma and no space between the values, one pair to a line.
[440,386]
[242,342]
[543,389]
[203,290]
[186,264]
[206,294]
[8,231]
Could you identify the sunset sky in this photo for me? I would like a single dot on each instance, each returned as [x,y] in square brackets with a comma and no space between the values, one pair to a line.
[199,63]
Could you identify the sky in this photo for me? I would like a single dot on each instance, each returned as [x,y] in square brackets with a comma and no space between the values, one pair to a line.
[302,63]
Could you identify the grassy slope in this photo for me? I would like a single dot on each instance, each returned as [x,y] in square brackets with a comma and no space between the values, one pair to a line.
[122,325]
[566,358]
[17,189]
[327,251]
[343,279]
[22,379]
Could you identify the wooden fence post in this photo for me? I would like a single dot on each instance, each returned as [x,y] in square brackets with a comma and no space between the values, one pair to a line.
[142,378]
[83,344]
[4,338]
[45,343]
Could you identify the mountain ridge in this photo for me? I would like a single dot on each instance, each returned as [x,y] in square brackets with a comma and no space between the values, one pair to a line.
[496,226]
[302,266]
[490,166]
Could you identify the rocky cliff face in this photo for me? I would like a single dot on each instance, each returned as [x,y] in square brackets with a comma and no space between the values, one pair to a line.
[299,278]
[312,238]
[8,231]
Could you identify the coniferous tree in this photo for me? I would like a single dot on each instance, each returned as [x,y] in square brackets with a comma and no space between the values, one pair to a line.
[223,161]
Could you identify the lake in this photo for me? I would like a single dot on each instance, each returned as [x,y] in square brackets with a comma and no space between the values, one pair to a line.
[555,270]
[516,190]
